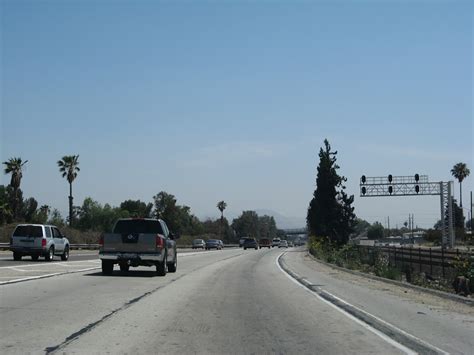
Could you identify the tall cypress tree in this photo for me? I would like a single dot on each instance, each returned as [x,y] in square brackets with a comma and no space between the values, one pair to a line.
[330,214]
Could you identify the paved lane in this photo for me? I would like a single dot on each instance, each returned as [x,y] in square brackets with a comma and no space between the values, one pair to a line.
[232,301]
[80,260]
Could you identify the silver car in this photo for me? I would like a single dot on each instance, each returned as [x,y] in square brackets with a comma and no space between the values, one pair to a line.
[199,244]
[38,240]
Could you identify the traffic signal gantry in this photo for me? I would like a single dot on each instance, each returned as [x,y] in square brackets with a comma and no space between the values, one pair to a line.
[415,185]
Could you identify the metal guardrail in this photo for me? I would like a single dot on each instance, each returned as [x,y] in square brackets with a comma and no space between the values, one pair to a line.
[6,246]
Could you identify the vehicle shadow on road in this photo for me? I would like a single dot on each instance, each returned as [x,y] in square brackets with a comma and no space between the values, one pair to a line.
[117,273]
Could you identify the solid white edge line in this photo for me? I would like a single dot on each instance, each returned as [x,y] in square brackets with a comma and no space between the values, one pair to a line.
[390,325]
[350,316]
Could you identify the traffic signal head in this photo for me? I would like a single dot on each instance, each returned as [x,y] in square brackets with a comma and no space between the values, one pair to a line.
[417,189]
[390,178]
[364,190]
[390,190]
[417,177]
[363,179]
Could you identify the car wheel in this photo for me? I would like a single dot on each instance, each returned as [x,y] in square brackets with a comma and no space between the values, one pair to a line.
[65,254]
[17,256]
[245,248]
[173,266]
[124,267]
[50,255]
[256,248]
[162,268]
[34,257]
[107,267]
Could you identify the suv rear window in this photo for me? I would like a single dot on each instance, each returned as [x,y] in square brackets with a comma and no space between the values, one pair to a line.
[28,231]
[137,226]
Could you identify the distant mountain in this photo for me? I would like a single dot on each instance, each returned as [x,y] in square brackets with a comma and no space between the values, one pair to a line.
[283,222]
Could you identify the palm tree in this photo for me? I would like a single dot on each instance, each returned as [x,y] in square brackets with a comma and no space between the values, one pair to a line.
[221,205]
[14,166]
[69,166]
[460,171]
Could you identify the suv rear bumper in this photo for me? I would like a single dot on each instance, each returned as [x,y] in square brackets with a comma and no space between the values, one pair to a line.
[28,250]
[131,256]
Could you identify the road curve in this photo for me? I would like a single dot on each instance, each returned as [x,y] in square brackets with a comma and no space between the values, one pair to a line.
[230,301]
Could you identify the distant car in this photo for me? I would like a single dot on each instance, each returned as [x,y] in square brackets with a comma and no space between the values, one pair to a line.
[265,243]
[241,242]
[250,243]
[290,244]
[38,240]
[283,244]
[199,244]
[275,242]
[213,244]
[222,243]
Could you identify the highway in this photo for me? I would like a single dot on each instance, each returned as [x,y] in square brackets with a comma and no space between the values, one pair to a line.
[230,301]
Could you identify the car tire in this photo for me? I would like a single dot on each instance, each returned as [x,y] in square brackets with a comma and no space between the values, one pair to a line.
[124,267]
[245,248]
[174,265]
[50,255]
[256,248]
[34,257]
[65,254]
[17,256]
[162,268]
[107,267]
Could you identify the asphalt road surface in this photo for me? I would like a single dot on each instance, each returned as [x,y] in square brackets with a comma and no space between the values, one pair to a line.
[230,301]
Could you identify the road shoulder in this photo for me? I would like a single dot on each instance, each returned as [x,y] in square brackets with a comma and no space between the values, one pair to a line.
[408,309]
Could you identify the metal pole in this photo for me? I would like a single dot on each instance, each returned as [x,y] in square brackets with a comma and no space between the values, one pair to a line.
[442,260]
[452,236]
[444,236]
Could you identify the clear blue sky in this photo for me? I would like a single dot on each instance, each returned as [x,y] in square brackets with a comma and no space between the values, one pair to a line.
[232,100]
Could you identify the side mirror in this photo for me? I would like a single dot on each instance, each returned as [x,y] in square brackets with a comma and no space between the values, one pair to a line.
[174,236]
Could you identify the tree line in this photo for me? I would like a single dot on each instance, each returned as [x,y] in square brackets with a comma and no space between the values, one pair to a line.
[94,216]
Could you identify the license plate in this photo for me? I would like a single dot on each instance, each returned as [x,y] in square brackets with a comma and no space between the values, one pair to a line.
[128,256]
[27,240]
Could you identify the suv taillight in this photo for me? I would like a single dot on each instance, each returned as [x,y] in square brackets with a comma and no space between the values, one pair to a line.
[43,243]
[160,242]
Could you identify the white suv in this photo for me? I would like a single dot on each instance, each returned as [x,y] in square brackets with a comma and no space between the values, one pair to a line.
[38,240]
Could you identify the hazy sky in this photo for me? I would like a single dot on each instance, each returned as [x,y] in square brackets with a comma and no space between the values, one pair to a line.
[231,100]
